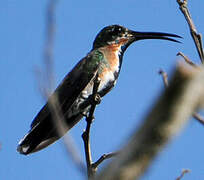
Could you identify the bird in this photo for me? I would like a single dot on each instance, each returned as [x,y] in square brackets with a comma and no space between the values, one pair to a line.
[73,93]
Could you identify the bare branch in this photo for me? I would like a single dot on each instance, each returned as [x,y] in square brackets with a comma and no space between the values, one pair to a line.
[94,100]
[165,80]
[104,157]
[187,59]
[49,44]
[61,127]
[184,171]
[171,112]
[196,36]
[164,77]
[199,118]
[54,105]
[48,83]
[86,135]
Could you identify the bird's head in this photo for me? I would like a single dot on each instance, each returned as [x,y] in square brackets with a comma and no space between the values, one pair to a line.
[123,37]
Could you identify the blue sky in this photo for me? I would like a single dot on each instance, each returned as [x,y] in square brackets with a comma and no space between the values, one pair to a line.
[22,38]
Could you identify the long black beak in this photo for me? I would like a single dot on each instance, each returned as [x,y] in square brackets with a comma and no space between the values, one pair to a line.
[154,35]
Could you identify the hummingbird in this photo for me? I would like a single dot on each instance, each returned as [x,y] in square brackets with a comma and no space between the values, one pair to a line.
[104,60]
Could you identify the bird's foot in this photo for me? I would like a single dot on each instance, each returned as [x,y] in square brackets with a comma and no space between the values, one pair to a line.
[84,114]
[96,99]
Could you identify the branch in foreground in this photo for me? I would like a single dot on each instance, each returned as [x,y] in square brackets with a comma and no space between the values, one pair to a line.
[59,121]
[171,112]
[164,75]
[53,103]
[49,45]
[196,37]
[199,118]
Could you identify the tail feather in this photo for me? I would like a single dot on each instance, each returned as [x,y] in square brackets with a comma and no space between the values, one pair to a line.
[26,148]
[35,139]
[28,144]
[23,148]
[42,135]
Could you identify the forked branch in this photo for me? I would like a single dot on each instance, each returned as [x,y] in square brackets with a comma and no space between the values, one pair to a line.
[92,166]
[195,35]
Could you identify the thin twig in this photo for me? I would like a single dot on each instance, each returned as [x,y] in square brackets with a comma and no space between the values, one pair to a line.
[68,142]
[184,171]
[94,100]
[199,118]
[165,80]
[49,81]
[104,157]
[86,135]
[197,40]
[49,45]
[164,77]
[187,59]
[196,36]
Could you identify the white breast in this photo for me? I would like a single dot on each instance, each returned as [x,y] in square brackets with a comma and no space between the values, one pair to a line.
[108,77]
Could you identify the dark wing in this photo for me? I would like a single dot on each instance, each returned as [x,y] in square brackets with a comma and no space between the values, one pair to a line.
[43,130]
[69,89]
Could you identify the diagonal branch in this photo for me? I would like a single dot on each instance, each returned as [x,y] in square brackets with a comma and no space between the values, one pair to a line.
[184,171]
[164,75]
[170,113]
[187,59]
[104,157]
[196,36]
[199,118]
[48,83]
